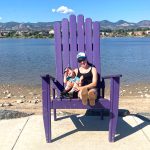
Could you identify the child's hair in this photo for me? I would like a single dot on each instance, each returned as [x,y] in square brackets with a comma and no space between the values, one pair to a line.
[68,68]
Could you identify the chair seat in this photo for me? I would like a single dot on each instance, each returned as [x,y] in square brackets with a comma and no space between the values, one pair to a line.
[77,104]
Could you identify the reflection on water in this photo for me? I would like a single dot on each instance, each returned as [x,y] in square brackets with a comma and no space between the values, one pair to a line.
[24,60]
[128,56]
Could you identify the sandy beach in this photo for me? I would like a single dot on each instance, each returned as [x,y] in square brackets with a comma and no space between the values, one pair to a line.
[134,98]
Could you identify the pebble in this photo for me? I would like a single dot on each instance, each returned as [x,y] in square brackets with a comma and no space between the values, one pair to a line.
[147,95]
[35,94]
[22,96]
[9,95]
[2,105]
[19,101]
[7,104]
[142,95]
[60,112]
[35,101]
[6,92]
[31,93]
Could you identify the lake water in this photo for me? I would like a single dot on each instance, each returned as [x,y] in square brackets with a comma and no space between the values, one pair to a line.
[22,61]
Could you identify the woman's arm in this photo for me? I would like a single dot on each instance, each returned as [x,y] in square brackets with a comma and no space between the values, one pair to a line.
[80,81]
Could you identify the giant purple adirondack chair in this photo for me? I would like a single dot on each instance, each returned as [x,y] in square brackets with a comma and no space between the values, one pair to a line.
[71,37]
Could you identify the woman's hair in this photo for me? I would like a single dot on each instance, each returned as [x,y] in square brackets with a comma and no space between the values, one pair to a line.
[90,64]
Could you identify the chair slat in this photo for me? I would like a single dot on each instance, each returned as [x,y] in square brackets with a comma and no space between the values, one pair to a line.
[88,39]
[65,43]
[96,46]
[58,52]
[73,41]
[80,33]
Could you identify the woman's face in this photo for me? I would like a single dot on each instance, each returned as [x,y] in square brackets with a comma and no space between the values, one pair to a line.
[83,63]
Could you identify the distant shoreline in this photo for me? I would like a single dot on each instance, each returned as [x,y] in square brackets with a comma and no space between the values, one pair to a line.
[53,37]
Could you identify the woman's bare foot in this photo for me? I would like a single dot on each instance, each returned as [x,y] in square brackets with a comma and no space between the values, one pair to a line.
[92,97]
[84,96]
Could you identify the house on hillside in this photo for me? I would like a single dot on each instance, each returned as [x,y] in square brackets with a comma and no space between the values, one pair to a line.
[147,32]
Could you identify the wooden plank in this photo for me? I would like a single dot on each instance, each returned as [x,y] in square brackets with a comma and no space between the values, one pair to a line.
[58,54]
[88,39]
[46,103]
[73,41]
[80,33]
[65,43]
[77,104]
[96,46]
[114,101]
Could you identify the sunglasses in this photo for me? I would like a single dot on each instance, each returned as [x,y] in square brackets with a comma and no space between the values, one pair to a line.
[81,59]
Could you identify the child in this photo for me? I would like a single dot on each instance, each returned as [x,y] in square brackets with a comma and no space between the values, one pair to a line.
[71,81]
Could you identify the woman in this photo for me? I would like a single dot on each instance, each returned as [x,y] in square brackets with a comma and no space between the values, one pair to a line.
[88,89]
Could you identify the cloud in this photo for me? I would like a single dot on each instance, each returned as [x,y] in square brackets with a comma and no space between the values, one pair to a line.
[0,18]
[53,10]
[63,9]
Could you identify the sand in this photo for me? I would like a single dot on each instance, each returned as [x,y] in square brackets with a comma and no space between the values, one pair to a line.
[135,98]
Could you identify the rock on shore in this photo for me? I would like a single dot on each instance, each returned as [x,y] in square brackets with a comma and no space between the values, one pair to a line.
[10,114]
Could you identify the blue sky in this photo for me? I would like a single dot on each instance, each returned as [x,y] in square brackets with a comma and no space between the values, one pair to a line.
[52,10]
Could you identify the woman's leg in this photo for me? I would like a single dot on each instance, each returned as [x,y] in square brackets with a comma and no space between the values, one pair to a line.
[83,95]
[92,95]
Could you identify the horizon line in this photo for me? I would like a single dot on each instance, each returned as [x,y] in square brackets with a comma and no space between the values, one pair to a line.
[60,20]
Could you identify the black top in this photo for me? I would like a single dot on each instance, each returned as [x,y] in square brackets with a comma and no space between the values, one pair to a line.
[87,77]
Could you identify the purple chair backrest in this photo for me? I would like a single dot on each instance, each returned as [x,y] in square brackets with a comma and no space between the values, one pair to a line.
[72,37]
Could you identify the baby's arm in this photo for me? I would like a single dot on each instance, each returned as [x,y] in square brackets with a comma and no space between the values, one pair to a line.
[80,81]
[65,77]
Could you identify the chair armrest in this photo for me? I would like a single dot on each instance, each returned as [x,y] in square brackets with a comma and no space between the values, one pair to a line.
[112,76]
[49,76]
[55,82]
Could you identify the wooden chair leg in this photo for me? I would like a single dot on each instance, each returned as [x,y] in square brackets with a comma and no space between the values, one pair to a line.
[46,101]
[55,115]
[114,99]
[47,125]
[113,125]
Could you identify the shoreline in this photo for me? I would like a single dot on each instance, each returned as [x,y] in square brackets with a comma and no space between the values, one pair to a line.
[24,98]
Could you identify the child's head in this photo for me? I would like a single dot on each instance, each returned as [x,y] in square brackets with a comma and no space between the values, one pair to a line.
[70,72]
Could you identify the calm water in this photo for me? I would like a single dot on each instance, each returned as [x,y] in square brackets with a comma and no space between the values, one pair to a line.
[22,61]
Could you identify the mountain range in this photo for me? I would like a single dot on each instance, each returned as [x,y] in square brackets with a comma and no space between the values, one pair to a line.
[105,24]
[121,24]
